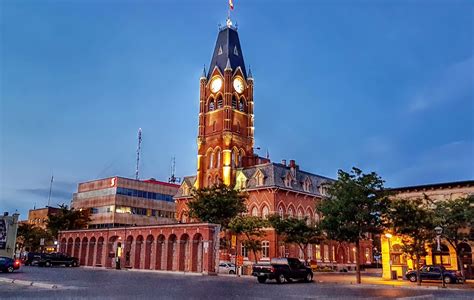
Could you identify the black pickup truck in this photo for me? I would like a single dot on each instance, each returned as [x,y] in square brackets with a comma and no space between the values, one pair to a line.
[282,269]
[56,259]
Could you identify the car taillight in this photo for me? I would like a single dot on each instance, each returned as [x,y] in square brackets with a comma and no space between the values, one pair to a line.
[272,269]
[17,262]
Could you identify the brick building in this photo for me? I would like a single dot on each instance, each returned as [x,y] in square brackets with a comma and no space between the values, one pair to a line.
[40,216]
[225,155]
[118,201]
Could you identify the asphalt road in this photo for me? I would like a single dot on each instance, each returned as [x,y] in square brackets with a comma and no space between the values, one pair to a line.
[82,283]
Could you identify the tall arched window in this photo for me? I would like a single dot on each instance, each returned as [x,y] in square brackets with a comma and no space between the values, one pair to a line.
[233,158]
[218,164]
[211,105]
[239,162]
[234,102]
[281,213]
[211,160]
[290,212]
[219,102]
[300,214]
[241,105]
[254,212]
[265,212]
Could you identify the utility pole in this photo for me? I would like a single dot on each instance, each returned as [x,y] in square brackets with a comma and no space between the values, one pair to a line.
[138,151]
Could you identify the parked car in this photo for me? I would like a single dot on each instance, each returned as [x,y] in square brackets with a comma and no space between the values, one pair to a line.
[56,259]
[9,265]
[32,258]
[281,270]
[226,268]
[435,273]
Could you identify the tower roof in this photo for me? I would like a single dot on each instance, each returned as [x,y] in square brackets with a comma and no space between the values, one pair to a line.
[227,49]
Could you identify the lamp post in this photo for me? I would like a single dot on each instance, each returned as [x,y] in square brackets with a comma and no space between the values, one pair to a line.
[439,230]
[389,236]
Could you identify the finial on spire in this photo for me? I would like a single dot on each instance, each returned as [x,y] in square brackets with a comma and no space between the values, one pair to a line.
[228,66]
[229,22]
[249,75]
[203,75]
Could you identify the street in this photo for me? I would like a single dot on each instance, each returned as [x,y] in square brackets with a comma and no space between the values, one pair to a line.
[81,283]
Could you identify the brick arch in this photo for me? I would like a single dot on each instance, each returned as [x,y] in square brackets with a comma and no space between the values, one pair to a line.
[171,251]
[197,253]
[300,211]
[91,251]
[218,156]
[70,242]
[63,246]
[253,210]
[160,253]
[128,251]
[309,215]
[99,251]
[138,251]
[77,247]
[184,255]
[262,210]
[341,257]
[148,251]
[84,247]
[282,205]
[291,208]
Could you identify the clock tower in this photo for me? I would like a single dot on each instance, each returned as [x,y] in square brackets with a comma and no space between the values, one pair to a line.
[226,121]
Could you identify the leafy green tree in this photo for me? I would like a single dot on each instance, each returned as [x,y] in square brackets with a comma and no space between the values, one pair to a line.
[355,206]
[29,236]
[68,219]
[456,217]
[251,228]
[297,231]
[413,219]
[218,204]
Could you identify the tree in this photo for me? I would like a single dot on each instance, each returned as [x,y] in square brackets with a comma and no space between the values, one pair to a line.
[29,236]
[68,219]
[252,228]
[297,231]
[217,204]
[355,206]
[413,220]
[455,217]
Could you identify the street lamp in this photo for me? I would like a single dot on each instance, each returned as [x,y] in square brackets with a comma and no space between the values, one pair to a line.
[389,236]
[439,230]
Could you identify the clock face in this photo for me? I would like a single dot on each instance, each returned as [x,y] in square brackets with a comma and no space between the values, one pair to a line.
[238,85]
[216,84]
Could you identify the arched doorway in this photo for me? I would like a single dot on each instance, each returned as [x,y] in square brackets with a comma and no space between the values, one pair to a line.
[100,249]
[160,251]
[138,251]
[128,250]
[70,242]
[184,253]
[171,253]
[148,247]
[77,247]
[84,245]
[111,247]
[197,253]
[341,255]
[465,256]
[90,256]
[63,246]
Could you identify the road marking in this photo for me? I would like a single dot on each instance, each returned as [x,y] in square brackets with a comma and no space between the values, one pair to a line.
[430,296]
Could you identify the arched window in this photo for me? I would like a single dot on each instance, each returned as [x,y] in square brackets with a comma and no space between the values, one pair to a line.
[217,180]
[211,160]
[265,249]
[211,105]
[290,212]
[281,213]
[254,212]
[241,105]
[234,102]
[265,212]
[219,102]
[326,253]
[317,252]
[300,214]
[233,158]
[239,162]
[218,164]
[316,217]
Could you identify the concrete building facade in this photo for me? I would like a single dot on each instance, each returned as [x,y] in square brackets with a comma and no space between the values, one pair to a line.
[118,201]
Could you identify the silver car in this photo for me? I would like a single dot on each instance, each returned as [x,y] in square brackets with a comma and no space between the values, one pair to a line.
[226,268]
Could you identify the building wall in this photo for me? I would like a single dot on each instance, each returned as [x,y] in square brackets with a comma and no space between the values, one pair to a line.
[8,231]
[176,247]
[39,217]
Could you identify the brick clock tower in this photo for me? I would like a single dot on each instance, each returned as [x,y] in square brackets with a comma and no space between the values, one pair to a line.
[226,121]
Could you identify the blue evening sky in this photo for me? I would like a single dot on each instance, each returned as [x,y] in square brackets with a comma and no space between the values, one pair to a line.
[386,86]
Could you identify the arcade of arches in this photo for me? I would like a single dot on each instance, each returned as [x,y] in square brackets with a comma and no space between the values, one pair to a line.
[177,247]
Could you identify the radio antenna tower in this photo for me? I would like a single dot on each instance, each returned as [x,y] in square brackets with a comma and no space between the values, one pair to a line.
[173,178]
[139,148]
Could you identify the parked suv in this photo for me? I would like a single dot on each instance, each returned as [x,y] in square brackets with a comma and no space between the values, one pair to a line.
[282,269]
[56,259]
[435,273]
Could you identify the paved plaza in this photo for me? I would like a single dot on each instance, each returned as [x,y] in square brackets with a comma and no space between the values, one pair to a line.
[81,283]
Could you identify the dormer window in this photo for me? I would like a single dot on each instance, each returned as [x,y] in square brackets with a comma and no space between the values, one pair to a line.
[220,51]
[259,178]
[236,52]
[288,179]
[307,185]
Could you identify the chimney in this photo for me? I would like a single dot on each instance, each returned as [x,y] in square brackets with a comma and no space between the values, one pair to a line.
[292,163]
[5,214]
[293,168]
[283,162]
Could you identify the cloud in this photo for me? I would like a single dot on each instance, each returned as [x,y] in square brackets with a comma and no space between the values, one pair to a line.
[452,83]
[60,192]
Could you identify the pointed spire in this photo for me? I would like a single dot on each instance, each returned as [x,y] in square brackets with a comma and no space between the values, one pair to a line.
[203,75]
[227,66]
[250,76]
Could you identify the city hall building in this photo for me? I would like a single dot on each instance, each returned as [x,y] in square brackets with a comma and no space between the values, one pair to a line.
[226,155]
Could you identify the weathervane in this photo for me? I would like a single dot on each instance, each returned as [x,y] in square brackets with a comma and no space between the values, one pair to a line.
[231,7]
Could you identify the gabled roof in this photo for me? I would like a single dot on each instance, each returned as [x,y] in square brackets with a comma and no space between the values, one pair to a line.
[189,181]
[227,49]
[275,175]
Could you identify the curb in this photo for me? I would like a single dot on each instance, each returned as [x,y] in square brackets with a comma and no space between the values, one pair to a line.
[364,285]
[29,283]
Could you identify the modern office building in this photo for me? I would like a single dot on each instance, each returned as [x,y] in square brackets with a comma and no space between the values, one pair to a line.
[118,202]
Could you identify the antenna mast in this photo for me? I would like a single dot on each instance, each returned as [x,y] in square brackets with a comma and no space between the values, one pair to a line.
[50,189]
[139,148]
[173,178]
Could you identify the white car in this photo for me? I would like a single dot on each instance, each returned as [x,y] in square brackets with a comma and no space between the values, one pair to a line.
[226,268]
